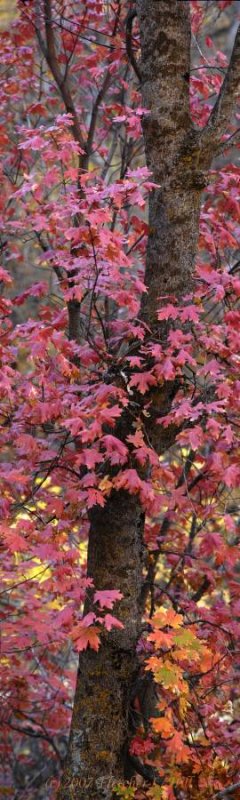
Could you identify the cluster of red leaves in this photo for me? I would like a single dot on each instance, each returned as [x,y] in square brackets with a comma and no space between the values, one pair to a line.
[60,401]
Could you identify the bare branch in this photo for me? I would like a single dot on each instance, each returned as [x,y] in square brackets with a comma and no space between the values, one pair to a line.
[49,51]
[129,24]
[231,141]
[93,122]
[221,114]
[227,791]
[28,731]
[148,772]
[201,590]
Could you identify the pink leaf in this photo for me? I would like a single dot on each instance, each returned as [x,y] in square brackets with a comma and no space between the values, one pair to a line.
[168,312]
[168,369]
[116,451]
[112,622]
[143,381]
[106,598]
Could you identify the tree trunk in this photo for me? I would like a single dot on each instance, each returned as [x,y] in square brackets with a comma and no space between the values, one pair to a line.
[171,146]
[99,732]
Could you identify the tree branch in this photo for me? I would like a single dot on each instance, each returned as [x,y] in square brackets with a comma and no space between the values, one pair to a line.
[93,122]
[201,590]
[129,23]
[147,772]
[220,116]
[27,731]
[231,141]
[227,791]
[49,51]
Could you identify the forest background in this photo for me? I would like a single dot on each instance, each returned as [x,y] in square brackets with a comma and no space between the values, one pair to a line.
[80,350]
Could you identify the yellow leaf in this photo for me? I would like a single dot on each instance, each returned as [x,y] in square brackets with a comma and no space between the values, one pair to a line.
[187,640]
[105,485]
[166,616]
[170,675]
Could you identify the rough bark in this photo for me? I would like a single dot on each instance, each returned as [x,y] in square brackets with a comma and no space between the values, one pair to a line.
[171,151]
[178,155]
[179,161]
[99,731]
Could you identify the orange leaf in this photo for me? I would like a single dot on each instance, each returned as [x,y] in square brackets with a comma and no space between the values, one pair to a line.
[162,725]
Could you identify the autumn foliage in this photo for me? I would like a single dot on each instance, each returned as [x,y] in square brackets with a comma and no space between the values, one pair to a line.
[75,355]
